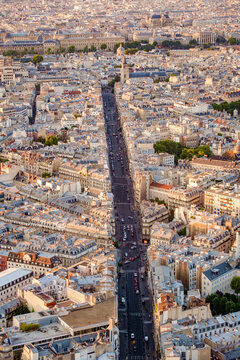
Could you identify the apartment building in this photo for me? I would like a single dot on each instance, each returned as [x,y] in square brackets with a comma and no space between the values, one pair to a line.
[159,191]
[211,164]
[184,197]
[93,179]
[11,280]
[38,263]
[151,213]
[217,239]
[187,262]
[162,234]
[3,259]
[218,278]
[166,159]
[221,200]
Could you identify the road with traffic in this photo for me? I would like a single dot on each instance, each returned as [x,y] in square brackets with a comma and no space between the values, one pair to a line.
[134,296]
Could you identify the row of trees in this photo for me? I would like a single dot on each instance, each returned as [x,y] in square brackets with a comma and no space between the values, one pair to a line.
[72,49]
[131,47]
[181,152]
[228,107]
[176,44]
[230,41]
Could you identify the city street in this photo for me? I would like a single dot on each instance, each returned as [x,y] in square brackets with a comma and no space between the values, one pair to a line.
[134,298]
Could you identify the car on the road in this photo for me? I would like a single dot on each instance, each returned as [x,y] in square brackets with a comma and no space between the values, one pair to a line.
[123,300]
[146,338]
[130,217]
[132,336]
[137,292]
[134,348]
[135,274]
[127,262]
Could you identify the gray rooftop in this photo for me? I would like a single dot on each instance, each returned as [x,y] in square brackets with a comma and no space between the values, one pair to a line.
[12,274]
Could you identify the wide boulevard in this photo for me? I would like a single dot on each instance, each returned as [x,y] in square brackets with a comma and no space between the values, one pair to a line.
[134,297]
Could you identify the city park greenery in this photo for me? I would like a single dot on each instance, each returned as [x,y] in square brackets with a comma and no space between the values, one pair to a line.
[49,140]
[221,304]
[46,175]
[131,47]
[176,44]
[181,152]
[228,107]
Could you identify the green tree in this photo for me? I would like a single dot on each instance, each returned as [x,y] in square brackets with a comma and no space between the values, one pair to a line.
[51,140]
[92,48]
[159,202]
[49,51]
[220,40]
[114,80]
[103,46]
[37,59]
[235,284]
[41,139]
[229,307]
[223,302]
[130,51]
[216,305]
[85,49]
[193,42]
[171,215]
[71,49]
[46,175]
[182,232]
[232,41]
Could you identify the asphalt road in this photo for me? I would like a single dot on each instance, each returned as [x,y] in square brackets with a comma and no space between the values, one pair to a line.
[134,297]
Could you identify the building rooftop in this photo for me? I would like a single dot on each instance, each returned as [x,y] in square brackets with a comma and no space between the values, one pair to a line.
[90,316]
[217,271]
[12,274]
